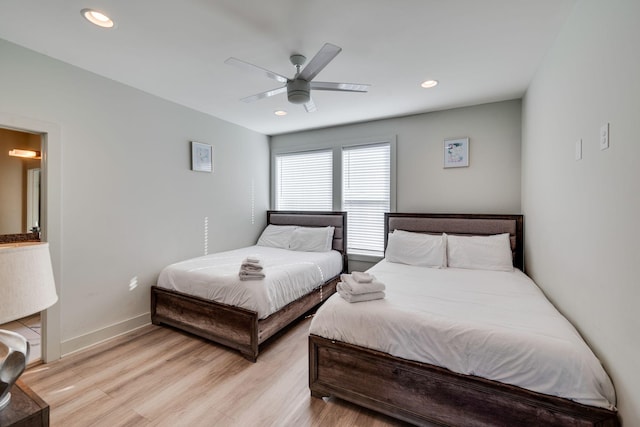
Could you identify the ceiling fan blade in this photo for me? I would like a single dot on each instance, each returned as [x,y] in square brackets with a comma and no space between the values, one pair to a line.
[343,87]
[265,94]
[310,106]
[322,58]
[254,68]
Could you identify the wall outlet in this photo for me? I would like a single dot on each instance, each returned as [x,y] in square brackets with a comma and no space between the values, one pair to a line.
[579,149]
[604,136]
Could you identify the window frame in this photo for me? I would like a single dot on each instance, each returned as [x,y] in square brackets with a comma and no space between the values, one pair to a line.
[337,146]
[361,251]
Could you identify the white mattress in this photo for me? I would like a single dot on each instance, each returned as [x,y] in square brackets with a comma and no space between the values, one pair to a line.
[492,324]
[289,276]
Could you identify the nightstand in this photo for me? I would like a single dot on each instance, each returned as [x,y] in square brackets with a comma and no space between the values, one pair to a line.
[26,409]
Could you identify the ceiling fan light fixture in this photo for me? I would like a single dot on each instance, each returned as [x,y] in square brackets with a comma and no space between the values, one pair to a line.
[427,84]
[298,91]
[97,18]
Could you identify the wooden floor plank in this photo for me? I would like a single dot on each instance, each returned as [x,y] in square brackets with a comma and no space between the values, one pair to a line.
[157,376]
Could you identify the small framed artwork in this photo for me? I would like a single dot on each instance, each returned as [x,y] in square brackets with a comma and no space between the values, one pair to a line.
[456,153]
[201,157]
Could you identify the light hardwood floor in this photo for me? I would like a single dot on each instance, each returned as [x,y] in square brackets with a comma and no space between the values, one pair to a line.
[157,376]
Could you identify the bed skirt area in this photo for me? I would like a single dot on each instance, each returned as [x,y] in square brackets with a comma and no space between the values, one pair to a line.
[231,326]
[428,395]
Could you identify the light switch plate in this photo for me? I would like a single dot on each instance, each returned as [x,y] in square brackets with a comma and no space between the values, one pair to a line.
[579,149]
[604,136]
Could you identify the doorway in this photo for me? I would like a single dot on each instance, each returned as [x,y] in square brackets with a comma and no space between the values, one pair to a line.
[49,221]
[20,165]
[20,211]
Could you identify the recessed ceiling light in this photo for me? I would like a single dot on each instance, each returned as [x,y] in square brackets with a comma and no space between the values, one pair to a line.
[280,113]
[429,84]
[97,18]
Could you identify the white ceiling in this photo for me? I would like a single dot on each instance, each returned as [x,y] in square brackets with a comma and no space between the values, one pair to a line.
[480,51]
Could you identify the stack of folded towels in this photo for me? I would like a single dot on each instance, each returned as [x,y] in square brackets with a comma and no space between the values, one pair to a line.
[251,269]
[358,286]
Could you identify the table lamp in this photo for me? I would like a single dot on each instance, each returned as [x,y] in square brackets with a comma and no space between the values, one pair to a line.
[26,287]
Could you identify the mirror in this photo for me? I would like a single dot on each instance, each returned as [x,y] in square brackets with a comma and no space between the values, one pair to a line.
[19,184]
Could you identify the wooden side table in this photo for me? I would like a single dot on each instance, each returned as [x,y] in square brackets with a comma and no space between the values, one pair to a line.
[26,409]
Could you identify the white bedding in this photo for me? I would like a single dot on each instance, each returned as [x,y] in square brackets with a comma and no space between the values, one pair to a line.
[289,275]
[492,324]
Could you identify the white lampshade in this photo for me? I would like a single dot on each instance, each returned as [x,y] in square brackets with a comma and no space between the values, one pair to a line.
[26,280]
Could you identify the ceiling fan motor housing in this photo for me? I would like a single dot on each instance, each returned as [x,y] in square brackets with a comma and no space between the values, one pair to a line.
[298,91]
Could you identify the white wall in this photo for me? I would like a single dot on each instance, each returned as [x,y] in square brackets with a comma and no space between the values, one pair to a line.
[491,184]
[129,202]
[582,244]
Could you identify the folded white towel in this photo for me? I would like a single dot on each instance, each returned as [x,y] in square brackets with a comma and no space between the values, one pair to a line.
[252,259]
[247,266]
[355,288]
[251,275]
[251,263]
[369,296]
[361,277]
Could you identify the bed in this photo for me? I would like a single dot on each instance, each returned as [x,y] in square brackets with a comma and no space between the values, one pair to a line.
[400,380]
[233,324]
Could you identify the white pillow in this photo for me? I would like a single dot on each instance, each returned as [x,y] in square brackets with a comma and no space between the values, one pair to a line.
[312,239]
[276,236]
[416,249]
[480,252]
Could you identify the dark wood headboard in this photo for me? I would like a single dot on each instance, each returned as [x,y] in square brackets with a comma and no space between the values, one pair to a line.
[315,219]
[462,224]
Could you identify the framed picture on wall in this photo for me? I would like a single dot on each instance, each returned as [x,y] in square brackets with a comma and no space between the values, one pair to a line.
[201,157]
[456,153]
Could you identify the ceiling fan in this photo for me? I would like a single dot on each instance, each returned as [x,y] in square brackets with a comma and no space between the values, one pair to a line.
[299,87]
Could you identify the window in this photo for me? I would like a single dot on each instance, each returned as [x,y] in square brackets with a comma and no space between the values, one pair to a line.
[354,176]
[304,181]
[366,195]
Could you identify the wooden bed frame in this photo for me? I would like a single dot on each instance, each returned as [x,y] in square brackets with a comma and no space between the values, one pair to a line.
[425,394]
[239,328]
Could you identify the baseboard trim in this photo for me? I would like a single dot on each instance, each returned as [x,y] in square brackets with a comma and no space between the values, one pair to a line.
[92,338]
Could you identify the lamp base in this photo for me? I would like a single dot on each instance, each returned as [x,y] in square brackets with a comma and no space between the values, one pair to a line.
[14,353]
[5,401]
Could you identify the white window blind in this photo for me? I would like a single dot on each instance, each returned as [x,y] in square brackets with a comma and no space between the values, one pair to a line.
[366,193]
[304,181]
